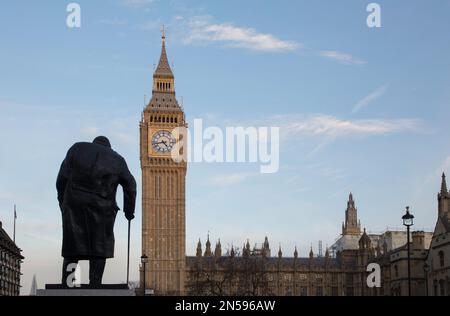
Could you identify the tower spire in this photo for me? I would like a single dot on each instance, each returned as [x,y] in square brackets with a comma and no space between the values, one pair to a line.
[199,249]
[218,251]
[351,225]
[443,198]
[163,70]
[208,251]
[444,190]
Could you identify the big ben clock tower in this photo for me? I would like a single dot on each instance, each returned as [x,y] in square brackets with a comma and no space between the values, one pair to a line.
[163,186]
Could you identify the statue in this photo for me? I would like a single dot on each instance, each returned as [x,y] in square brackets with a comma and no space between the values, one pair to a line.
[87,186]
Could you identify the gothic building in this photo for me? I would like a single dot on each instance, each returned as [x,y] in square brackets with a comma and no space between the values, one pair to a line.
[437,266]
[10,263]
[163,185]
[248,271]
[253,271]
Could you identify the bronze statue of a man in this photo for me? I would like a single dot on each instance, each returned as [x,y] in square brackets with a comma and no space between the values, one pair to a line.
[87,186]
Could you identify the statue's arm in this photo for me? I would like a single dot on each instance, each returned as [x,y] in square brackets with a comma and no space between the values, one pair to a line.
[61,181]
[128,184]
[63,176]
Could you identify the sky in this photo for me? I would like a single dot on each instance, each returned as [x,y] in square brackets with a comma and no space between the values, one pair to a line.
[362,110]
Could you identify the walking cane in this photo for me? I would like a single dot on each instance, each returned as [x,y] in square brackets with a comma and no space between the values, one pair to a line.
[128,257]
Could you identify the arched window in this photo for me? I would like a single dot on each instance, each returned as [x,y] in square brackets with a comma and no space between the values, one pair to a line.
[151,119]
[441,259]
[396,271]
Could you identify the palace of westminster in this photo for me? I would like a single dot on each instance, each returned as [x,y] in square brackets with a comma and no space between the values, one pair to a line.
[341,271]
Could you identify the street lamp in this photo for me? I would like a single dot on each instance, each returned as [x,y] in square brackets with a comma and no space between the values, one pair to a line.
[144,260]
[426,269]
[408,221]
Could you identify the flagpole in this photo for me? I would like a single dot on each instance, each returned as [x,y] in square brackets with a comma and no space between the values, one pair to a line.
[15,217]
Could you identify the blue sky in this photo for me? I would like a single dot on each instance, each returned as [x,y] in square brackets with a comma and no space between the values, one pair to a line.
[362,110]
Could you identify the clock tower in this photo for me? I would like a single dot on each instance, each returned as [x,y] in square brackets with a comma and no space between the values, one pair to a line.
[163,186]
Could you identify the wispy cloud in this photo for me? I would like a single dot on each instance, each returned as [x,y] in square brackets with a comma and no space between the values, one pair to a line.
[341,57]
[202,29]
[367,100]
[333,127]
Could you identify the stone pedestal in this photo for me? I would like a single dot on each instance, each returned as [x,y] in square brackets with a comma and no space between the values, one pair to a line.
[85,290]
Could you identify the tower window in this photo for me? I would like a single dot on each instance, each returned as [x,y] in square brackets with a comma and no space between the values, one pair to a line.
[151,119]
[441,259]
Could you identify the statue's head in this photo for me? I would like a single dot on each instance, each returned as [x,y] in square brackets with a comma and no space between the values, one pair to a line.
[102,140]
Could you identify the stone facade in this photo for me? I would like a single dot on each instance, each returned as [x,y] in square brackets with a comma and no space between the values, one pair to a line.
[163,186]
[438,260]
[10,264]
[343,273]
[255,271]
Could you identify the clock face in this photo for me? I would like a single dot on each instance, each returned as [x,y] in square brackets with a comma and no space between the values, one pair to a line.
[163,142]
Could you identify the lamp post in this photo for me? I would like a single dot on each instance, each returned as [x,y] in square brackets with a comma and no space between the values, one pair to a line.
[408,221]
[144,260]
[426,269]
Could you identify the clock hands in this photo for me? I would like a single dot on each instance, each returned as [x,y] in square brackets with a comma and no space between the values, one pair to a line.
[161,142]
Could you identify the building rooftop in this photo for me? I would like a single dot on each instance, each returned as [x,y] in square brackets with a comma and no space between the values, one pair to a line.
[7,243]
